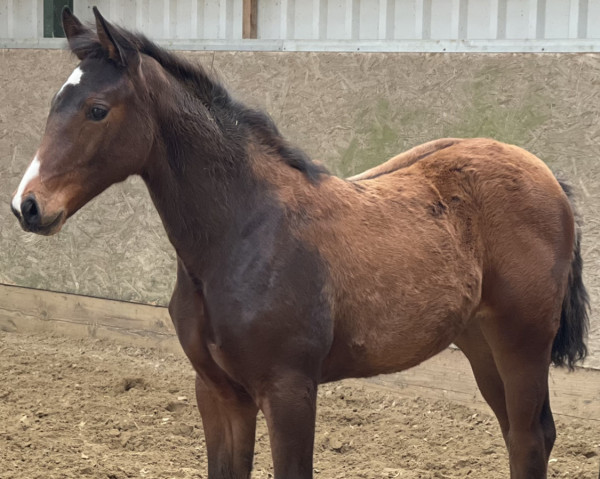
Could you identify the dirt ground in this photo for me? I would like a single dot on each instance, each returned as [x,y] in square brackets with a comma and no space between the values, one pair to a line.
[91,408]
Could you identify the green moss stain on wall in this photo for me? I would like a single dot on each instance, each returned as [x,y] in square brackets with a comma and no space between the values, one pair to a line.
[378,136]
[501,111]
[486,106]
[375,139]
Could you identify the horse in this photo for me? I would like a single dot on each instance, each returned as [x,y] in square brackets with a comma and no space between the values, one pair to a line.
[289,277]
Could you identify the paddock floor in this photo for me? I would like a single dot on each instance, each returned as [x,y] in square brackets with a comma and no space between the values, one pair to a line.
[78,408]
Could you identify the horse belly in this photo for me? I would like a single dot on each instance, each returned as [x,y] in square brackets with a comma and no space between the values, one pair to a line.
[375,340]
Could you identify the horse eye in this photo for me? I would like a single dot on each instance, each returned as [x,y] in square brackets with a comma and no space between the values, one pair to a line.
[98,113]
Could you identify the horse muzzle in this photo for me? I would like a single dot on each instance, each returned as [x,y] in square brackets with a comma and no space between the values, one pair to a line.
[33,219]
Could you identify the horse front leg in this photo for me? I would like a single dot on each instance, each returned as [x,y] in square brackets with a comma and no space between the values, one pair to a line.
[228,412]
[289,405]
[229,422]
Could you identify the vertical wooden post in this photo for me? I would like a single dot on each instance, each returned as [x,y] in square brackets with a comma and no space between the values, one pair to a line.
[250,14]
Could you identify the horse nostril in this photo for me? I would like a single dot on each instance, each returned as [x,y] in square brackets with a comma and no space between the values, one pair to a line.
[30,212]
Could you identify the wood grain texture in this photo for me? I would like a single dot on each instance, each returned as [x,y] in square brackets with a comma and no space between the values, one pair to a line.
[30,310]
[250,15]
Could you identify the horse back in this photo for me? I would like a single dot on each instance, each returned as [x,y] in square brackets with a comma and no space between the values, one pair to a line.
[415,247]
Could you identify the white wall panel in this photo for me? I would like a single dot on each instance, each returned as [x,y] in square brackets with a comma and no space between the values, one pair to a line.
[386,25]
[367,20]
[593,19]
[482,19]
[269,19]
[408,19]
[5,15]
[339,19]
[442,19]
[557,18]
[21,19]
[304,19]
[518,13]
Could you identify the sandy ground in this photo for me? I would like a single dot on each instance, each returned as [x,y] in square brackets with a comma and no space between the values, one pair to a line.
[91,408]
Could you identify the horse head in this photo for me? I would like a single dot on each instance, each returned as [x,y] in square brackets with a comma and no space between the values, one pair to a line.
[97,131]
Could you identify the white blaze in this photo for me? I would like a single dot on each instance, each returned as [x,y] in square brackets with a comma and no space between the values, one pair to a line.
[74,79]
[32,172]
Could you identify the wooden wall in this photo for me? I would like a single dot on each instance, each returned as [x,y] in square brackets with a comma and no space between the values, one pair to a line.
[349,110]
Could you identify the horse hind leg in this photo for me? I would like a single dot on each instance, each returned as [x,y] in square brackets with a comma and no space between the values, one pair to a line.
[531,431]
[475,347]
[513,381]
[520,336]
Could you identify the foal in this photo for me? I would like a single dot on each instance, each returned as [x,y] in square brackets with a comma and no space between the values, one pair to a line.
[289,277]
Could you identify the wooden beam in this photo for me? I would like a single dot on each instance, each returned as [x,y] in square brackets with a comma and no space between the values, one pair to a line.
[250,15]
[448,376]
[36,311]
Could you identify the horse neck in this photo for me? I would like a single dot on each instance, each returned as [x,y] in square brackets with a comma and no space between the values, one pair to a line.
[199,181]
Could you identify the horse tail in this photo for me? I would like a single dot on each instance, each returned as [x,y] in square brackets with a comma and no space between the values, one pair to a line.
[569,344]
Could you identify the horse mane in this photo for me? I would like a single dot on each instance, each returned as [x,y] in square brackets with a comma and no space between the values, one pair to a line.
[210,91]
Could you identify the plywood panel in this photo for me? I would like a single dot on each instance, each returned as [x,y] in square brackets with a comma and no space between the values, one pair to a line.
[349,110]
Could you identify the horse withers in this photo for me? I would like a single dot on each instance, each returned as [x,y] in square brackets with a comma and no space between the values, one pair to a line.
[288,277]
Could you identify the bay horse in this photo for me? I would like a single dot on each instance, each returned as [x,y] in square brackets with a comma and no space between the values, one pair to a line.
[288,277]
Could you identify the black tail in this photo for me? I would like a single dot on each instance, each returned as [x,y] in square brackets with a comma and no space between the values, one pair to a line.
[569,344]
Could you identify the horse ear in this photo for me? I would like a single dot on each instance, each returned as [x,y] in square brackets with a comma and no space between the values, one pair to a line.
[74,30]
[119,49]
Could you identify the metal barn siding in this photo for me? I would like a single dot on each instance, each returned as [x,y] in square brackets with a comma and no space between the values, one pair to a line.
[337,25]
[21,19]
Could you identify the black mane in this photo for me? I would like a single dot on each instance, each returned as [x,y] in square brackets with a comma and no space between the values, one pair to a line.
[211,92]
